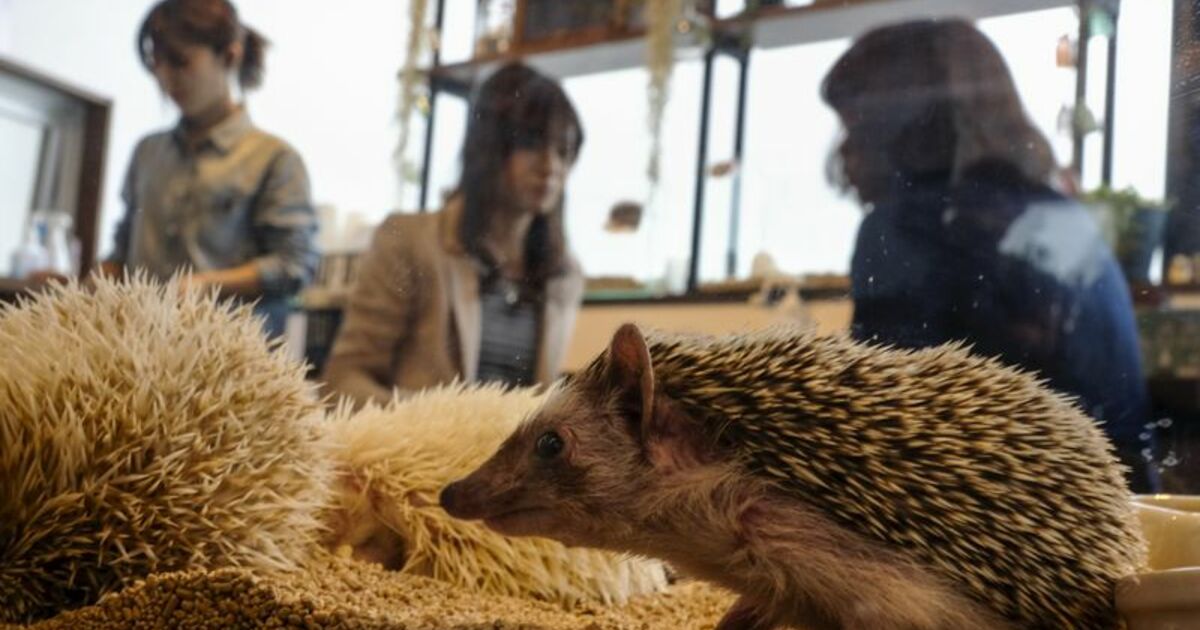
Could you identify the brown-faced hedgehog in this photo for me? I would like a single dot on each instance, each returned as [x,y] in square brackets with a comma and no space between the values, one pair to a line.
[830,483]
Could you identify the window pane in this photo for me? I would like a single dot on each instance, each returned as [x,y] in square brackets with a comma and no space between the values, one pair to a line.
[719,181]
[790,210]
[612,169]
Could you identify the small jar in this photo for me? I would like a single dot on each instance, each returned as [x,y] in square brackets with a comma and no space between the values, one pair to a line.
[1181,270]
[494,26]
[60,253]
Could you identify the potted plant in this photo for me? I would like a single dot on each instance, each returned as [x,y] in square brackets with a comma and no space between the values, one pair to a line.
[1132,225]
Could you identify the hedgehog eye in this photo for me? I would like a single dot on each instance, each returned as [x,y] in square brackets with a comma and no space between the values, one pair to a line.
[548,445]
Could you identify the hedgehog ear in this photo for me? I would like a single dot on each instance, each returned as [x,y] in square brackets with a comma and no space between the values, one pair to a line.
[630,369]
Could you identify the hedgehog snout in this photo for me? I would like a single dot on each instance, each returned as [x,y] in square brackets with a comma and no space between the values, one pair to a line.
[478,497]
[451,500]
[469,499]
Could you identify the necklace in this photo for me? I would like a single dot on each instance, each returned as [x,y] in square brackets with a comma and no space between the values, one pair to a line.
[512,293]
[510,287]
[509,290]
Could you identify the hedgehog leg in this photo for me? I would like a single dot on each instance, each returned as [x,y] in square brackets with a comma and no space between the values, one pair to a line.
[920,607]
[810,570]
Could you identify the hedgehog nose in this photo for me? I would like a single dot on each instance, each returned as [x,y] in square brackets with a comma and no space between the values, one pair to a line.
[450,499]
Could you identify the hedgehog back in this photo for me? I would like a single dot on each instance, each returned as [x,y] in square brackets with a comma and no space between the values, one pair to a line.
[974,468]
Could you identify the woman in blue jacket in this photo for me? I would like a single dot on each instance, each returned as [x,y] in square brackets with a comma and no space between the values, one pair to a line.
[964,239]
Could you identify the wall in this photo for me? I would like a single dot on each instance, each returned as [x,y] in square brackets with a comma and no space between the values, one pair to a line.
[6,24]
[330,88]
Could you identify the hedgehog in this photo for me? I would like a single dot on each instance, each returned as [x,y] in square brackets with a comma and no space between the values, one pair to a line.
[145,429]
[392,462]
[830,483]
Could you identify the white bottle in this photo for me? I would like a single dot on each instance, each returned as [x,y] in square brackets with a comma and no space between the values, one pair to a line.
[60,259]
[30,255]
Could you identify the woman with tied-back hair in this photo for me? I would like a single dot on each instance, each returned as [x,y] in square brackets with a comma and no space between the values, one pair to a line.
[964,239]
[484,290]
[215,198]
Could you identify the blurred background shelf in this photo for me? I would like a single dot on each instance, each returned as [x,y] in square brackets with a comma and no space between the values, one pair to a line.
[593,50]
[604,45]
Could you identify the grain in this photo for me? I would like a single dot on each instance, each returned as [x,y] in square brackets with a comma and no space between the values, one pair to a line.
[339,593]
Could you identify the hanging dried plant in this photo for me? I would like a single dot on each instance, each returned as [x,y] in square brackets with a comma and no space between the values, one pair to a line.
[412,94]
[662,17]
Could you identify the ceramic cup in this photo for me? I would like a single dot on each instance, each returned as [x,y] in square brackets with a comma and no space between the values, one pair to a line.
[1167,595]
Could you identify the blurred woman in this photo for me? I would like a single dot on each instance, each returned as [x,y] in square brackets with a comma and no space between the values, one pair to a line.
[484,290]
[964,239]
[215,199]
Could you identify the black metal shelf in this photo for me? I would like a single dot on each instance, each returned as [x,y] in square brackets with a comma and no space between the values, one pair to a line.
[773,27]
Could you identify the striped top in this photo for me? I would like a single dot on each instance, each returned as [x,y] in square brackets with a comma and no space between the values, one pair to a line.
[509,335]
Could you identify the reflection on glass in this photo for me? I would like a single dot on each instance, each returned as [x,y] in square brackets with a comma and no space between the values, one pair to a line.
[612,169]
[966,238]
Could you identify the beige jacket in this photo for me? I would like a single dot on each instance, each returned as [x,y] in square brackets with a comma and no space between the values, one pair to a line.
[413,318]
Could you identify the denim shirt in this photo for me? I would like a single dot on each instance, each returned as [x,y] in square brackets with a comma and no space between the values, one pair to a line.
[239,196]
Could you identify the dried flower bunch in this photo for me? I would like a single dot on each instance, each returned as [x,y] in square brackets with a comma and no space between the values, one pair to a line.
[411,81]
[661,19]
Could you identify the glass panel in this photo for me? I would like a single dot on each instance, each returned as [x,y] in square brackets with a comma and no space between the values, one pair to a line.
[447,145]
[1142,97]
[721,172]
[914,173]
[612,169]
[790,210]
[458,30]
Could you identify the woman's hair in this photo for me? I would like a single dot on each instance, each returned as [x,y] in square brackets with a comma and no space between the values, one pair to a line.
[212,23]
[930,99]
[515,108]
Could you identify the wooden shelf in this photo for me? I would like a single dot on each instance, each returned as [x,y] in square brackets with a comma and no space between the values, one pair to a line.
[12,290]
[825,21]
[598,51]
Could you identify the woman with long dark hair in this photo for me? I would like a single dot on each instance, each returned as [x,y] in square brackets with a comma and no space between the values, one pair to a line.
[485,289]
[964,238]
[215,199]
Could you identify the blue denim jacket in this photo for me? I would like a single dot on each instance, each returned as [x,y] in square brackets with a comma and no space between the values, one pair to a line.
[241,196]
[1019,273]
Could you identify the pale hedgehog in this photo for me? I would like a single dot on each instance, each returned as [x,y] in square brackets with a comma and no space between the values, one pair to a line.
[830,483]
[142,431]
